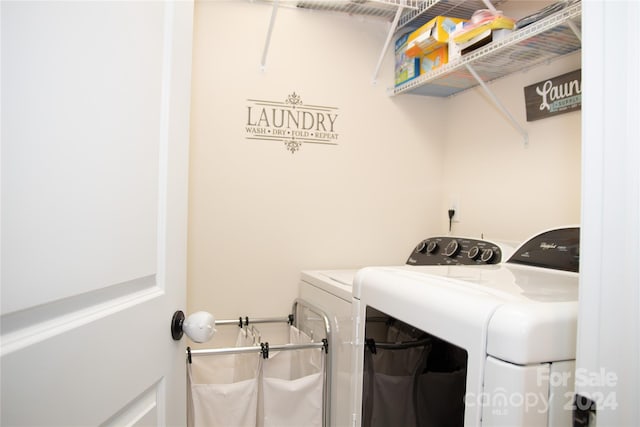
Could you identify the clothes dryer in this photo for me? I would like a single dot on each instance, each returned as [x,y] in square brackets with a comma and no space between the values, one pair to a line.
[331,291]
[490,345]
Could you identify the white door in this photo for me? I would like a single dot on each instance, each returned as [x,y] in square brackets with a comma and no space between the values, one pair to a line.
[95,128]
[607,362]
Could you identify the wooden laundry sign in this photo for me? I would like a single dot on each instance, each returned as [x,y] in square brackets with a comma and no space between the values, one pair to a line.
[558,95]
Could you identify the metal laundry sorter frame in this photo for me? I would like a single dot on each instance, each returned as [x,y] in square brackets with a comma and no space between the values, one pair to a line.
[301,318]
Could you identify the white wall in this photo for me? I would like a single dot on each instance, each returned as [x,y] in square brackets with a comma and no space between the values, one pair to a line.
[259,214]
[504,189]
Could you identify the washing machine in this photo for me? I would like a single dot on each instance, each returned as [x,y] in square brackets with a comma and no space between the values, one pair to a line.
[469,345]
[331,291]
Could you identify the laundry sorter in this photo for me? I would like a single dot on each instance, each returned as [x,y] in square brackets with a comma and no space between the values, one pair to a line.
[276,374]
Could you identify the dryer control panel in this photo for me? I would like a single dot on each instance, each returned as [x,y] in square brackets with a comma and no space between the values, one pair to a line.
[557,248]
[455,251]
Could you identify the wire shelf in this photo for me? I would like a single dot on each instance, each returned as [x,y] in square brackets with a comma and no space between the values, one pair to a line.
[537,43]
[429,9]
[542,41]
[415,12]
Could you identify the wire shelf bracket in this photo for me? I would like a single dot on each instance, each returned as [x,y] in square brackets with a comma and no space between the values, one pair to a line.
[392,30]
[501,107]
[265,50]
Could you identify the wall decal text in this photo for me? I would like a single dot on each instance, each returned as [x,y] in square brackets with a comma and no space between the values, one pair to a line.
[291,122]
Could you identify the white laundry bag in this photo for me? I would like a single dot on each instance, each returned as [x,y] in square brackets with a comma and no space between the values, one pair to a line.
[224,388]
[292,386]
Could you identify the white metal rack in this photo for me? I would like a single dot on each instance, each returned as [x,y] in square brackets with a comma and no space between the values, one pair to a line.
[409,13]
[552,37]
[429,9]
[549,38]
[385,9]
[415,17]
[414,12]
[304,316]
[403,13]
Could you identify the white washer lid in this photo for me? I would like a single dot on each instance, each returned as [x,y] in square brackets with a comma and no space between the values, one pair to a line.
[336,282]
[534,310]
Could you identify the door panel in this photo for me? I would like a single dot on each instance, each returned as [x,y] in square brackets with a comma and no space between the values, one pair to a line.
[95,128]
[82,128]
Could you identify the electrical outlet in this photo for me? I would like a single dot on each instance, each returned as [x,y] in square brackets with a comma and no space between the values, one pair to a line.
[454,203]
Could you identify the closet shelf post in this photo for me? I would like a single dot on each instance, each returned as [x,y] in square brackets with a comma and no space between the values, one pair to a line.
[392,30]
[267,41]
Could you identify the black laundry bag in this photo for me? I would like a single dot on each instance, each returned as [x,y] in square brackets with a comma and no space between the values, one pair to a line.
[440,389]
[412,380]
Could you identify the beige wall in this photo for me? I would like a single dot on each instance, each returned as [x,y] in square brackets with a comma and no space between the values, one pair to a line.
[504,189]
[260,214]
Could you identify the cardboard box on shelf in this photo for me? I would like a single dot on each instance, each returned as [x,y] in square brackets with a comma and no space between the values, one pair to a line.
[434,59]
[472,35]
[456,50]
[406,67]
[470,30]
[432,35]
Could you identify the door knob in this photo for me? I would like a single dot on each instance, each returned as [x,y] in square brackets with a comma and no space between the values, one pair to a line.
[199,326]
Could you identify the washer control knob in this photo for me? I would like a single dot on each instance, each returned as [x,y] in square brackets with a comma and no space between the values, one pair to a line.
[452,249]
[431,247]
[474,252]
[421,246]
[487,255]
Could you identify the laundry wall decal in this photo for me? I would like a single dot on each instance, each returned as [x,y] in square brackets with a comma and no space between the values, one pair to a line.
[291,122]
